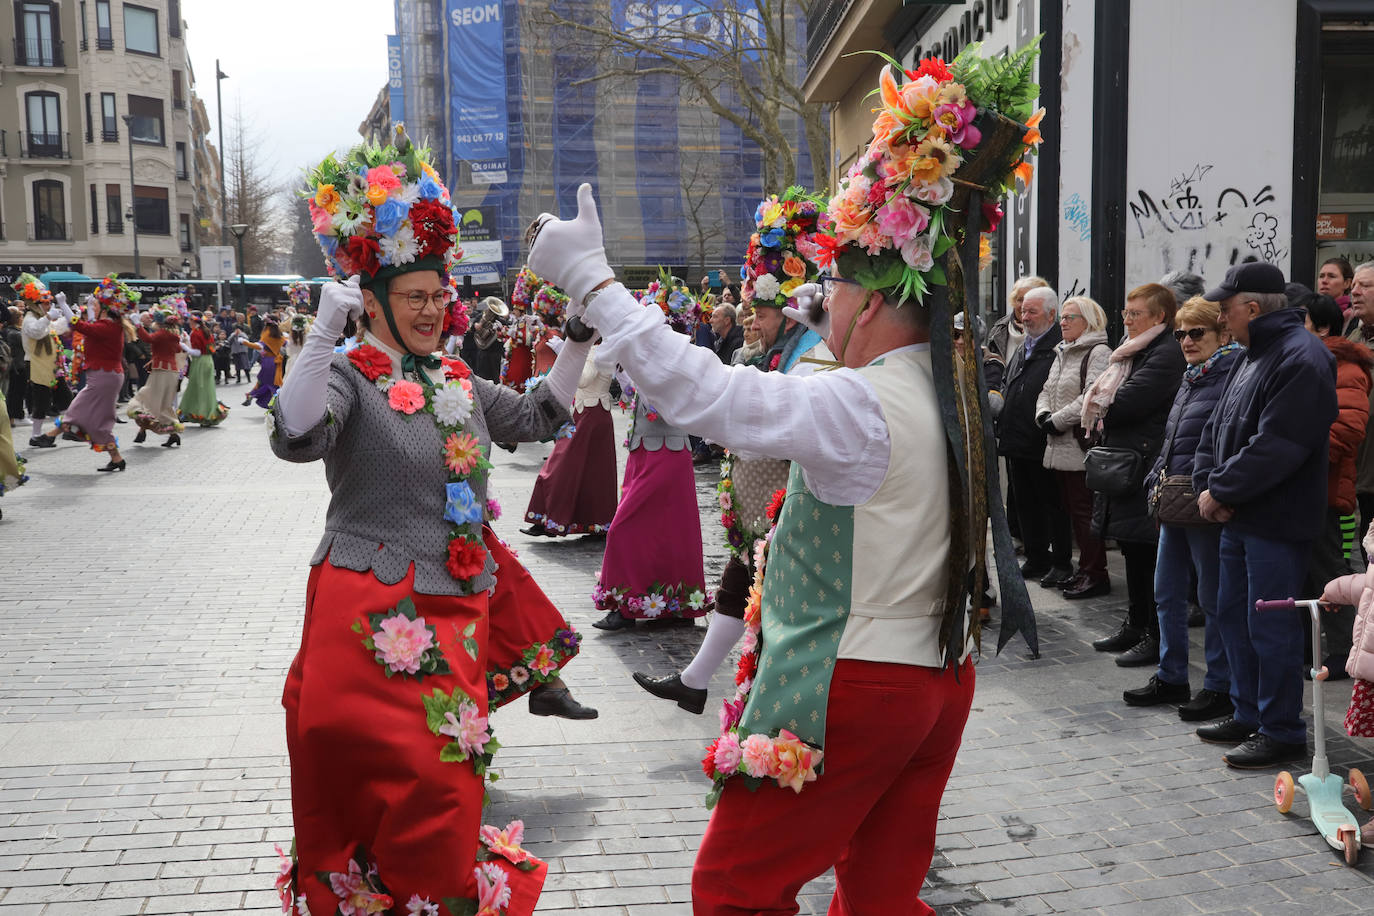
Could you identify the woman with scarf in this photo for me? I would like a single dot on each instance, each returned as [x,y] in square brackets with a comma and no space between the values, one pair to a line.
[199,403]
[387,699]
[270,368]
[45,319]
[153,408]
[1126,408]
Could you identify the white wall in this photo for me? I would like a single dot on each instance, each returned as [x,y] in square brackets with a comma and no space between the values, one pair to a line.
[1076,149]
[1209,169]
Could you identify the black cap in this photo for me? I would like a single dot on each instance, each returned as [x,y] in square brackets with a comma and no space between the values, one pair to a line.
[1254,277]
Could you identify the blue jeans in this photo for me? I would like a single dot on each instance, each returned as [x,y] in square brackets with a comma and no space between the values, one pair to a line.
[1180,548]
[1264,648]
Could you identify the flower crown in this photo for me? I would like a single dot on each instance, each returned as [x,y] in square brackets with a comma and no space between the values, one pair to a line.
[31,288]
[538,296]
[115,293]
[940,133]
[379,207]
[783,248]
[677,303]
[298,291]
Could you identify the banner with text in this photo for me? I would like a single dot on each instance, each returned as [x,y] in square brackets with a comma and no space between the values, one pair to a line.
[395,79]
[477,86]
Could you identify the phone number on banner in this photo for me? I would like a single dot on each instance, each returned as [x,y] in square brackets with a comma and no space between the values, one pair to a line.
[498,136]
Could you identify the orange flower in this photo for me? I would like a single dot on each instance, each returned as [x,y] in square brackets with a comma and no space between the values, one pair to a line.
[754,608]
[796,761]
[794,266]
[1024,171]
[327,198]
[886,125]
[984,252]
[933,159]
[1033,137]
[376,195]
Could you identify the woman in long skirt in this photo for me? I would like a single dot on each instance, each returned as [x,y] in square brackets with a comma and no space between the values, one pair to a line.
[199,402]
[153,407]
[269,364]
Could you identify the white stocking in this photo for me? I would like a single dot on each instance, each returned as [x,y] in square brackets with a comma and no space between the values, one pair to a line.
[724,632]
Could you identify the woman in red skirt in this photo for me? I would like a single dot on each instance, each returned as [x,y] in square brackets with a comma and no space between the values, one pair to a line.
[387,699]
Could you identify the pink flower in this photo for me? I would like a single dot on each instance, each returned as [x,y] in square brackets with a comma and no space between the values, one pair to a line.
[902,219]
[421,906]
[506,843]
[519,674]
[469,729]
[284,876]
[355,893]
[730,713]
[402,643]
[796,761]
[872,239]
[493,889]
[544,661]
[957,121]
[759,757]
[728,753]
[321,219]
[934,192]
[917,253]
[750,642]
[383,176]
[407,397]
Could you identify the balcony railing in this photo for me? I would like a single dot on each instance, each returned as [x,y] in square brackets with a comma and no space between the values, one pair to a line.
[824,18]
[104,42]
[4,154]
[43,145]
[183,175]
[49,231]
[38,52]
[95,225]
[179,103]
[109,135]
[114,226]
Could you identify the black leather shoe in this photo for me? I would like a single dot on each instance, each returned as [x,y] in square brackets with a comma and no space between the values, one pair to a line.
[172,441]
[614,621]
[142,436]
[1155,693]
[114,466]
[1086,588]
[558,701]
[1261,752]
[1119,641]
[42,442]
[1031,570]
[1227,731]
[1208,704]
[1145,652]
[672,688]
[1056,577]
[536,530]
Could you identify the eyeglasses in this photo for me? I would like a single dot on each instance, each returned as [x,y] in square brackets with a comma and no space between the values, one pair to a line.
[1133,314]
[418,300]
[829,284]
[1064,318]
[1192,333]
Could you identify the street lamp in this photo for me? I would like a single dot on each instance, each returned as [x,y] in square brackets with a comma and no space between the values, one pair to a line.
[221,76]
[133,192]
[239,230]
[185,268]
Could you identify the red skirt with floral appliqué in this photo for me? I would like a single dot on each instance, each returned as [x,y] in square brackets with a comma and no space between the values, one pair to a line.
[518,368]
[380,818]
[529,638]
[1359,718]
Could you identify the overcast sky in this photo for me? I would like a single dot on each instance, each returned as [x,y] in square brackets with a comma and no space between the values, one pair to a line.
[305,81]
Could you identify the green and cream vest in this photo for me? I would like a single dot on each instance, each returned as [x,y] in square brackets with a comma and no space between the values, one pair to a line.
[860,582]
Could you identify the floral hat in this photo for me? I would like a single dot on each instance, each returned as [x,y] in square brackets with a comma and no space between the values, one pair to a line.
[783,248]
[380,211]
[174,303]
[114,293]
[941,131]
[31,289]
[679,306]
[298,291]
[538,296]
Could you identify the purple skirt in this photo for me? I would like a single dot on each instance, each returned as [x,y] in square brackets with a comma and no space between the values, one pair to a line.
[575,492]
[652,566]
[267,377]
[91,414]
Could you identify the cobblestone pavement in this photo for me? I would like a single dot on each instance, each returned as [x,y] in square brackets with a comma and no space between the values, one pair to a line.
[149,617]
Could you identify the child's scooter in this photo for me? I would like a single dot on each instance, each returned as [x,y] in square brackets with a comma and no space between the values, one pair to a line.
[1324,803]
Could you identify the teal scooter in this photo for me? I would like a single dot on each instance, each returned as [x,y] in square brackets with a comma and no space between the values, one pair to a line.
[1324,790]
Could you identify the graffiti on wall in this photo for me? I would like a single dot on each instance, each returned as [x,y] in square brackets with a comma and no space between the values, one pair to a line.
[1203,223]
[1077,216]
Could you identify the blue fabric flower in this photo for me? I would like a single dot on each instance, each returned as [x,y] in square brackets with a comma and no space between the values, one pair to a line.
[390,215]
[328,244]
[462,507]
[429,188]
[773,238]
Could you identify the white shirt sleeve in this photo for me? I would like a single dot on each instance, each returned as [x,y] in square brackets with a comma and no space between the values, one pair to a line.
[830,423]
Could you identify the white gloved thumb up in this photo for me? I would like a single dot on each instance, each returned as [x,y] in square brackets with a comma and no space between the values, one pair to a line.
[808,309]
[61,299]
[570,253]
[339,302]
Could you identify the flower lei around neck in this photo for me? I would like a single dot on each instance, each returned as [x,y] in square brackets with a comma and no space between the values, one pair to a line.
[738,752]
[450,403]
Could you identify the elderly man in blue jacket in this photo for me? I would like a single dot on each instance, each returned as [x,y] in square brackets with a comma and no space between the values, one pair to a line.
[1260,470]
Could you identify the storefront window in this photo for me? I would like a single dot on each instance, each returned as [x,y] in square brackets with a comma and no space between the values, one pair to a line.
[1345,216]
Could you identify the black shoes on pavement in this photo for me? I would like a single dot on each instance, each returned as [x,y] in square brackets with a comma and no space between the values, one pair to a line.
[1086,588]
[1057,577]
[1227,731]
[1123,639]
[172,441]
[114,466]
[141,437]
[672,688]
[1261,752]
[1156,693]
[614,621]
[1208,704]
[42,442]
[558,701]
[1144,652]
[537,530]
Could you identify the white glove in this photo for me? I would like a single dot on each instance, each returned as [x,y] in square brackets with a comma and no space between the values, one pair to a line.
[92,308]
[193,351]
[338,303]
[555,344]
[808,309]
[570,253]
[54,313]
[61,300]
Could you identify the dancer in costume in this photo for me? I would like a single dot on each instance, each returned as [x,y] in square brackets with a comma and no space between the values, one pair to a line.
[299,326]
[524,334]
[200,404]
[45,319]
[780,259]
[387,701]
[91,415]
[153,406]
[652,567]
[270,345]
[859,640]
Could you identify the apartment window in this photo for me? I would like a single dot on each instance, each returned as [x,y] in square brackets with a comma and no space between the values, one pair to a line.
[174,18]
[45,124]
[104,33]
[89,136]
[38,44]
[184,231]
[147,123]
[140,30]
[109,121]
[151,214]
[114,211]
[95,210]
[84,44]
[182,172]
[178,99]
[49,211]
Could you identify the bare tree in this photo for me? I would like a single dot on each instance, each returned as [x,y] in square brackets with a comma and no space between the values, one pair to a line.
[742,60]
[304,254]
[700,177]
[252,196]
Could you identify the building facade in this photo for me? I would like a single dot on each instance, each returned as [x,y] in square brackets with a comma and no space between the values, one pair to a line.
[102,141]
[1178,135]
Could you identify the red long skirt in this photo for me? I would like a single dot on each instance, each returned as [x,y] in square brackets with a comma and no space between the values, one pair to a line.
[518,368]
[576,489]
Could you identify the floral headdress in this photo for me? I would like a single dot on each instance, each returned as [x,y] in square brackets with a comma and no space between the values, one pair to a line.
[678,304]
[538,296]
[379,211]
[174,303]
[31,289]
[298,291]
[114,293]
[782,250]
[940,132]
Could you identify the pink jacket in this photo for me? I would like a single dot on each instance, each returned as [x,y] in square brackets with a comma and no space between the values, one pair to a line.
[1358,589]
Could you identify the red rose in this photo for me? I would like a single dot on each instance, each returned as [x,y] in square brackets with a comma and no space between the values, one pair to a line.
[433,225]
[747,668]
[708,763]
[371,362]
[465,558]
[775,505]
[933,67]
[365,253]
[772,363]
[455,368]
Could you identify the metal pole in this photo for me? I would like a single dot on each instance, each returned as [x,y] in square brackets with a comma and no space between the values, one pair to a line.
[133,194]
[243,290]
[220,76]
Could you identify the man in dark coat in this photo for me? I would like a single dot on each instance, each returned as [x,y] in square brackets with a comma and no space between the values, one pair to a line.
[729,336]
[1044,524]
[1260,470]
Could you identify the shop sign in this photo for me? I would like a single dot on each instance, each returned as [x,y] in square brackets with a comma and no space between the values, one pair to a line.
[1331,225]
[974,24]
[10,272]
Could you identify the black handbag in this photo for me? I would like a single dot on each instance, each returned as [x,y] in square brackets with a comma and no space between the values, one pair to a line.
[1113,471]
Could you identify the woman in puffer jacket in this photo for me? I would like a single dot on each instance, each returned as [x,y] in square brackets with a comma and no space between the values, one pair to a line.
[1079,359]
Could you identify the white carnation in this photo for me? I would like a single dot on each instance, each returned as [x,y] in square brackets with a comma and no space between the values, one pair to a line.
[935,192]
[452,404]
[767,287]
[399,248]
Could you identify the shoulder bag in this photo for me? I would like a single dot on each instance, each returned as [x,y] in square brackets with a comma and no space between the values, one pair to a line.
[1083,437]
[1113,471]
[1172,500]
